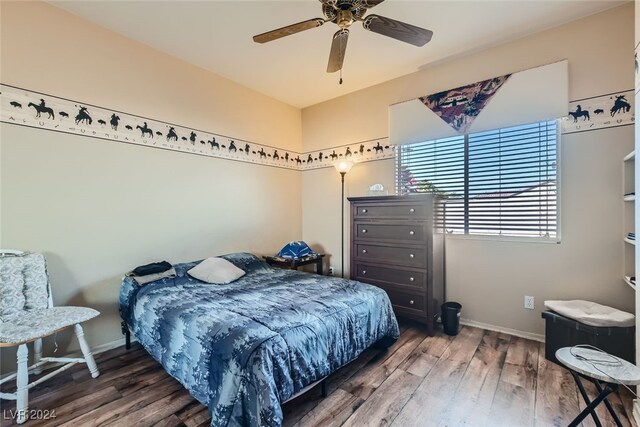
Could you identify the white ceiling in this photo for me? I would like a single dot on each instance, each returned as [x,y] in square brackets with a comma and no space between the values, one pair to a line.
[217,36]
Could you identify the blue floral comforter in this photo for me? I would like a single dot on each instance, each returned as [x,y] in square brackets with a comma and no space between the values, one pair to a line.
[244,348]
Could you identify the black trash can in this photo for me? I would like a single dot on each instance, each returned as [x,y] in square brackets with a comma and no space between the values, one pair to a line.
[451,317]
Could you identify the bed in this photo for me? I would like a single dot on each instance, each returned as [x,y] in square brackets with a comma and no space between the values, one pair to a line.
[245,348]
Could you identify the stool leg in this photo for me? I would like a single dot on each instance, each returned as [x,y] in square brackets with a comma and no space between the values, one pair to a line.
[86,352]
[22,383]
[37,354]
[614,387]
[591,408]
[585,396]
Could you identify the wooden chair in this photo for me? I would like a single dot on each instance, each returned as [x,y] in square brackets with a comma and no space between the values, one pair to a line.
[27,315]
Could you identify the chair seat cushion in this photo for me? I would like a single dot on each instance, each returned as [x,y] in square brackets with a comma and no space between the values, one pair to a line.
[591,313]
[29,325]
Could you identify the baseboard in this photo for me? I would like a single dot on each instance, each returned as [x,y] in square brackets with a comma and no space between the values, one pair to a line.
[107,346]
[515,332]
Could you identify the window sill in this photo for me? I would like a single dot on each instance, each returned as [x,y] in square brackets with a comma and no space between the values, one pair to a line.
[512,239]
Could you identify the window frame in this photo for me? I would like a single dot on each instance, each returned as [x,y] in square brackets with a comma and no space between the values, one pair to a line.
[494,237]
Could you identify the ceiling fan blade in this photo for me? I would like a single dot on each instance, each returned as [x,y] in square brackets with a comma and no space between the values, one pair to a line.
[371,3]
[288,30]
[338,48]
[398,30]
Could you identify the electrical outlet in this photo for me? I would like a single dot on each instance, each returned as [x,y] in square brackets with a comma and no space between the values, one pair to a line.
[529,302]
[330,270]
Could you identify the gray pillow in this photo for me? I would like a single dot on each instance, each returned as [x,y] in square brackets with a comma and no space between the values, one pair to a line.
[217,271]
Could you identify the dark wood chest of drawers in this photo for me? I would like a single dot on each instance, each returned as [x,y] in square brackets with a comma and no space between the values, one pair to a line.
[397,245]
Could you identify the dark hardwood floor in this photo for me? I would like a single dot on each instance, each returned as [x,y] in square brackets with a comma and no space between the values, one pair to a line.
[478,378]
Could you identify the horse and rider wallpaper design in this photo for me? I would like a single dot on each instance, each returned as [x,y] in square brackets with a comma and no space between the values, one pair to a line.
[37,110]
[460,106]
[611,110]
[33,109]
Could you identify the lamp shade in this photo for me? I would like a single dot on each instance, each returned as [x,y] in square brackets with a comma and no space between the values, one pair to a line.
[343,166]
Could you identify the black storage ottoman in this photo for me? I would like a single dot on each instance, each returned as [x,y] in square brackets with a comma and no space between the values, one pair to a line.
[562,331]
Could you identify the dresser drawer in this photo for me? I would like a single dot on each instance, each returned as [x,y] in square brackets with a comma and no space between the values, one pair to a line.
[387,210]
[380,275]
[391,232]
[412,302]
[411,257]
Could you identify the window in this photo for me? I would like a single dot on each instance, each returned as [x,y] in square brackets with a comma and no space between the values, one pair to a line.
[501,182]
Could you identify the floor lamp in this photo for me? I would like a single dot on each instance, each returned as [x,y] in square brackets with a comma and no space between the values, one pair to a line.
[342,166]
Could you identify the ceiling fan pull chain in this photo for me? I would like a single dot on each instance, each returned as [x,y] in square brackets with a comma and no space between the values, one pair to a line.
[341,76]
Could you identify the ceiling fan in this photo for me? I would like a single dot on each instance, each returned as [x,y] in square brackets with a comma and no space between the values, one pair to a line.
[344,13]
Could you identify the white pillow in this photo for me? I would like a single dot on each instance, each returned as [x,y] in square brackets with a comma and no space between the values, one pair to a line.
[218,271]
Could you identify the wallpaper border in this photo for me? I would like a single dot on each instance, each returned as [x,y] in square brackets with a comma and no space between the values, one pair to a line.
[38,110]
[600,112]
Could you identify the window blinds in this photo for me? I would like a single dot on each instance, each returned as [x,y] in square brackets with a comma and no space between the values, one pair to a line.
[500,182]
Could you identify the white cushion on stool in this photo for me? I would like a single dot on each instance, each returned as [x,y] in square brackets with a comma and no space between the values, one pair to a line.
[591,313]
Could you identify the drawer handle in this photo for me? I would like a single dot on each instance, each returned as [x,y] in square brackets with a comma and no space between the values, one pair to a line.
[411,279]
[412,210]
[364,230]
[411,302]
[364,272]
[364,251]
[411,233]
[412,256]
[364,211]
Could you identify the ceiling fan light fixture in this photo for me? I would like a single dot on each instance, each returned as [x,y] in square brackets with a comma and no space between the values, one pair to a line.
[344,19]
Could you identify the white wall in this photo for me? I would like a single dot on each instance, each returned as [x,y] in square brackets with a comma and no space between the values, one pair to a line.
[490,278]
[98,208]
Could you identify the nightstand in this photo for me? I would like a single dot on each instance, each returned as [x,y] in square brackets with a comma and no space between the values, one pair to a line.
[293,264]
